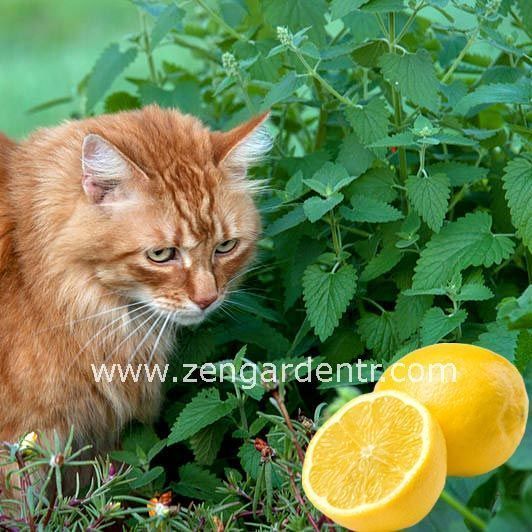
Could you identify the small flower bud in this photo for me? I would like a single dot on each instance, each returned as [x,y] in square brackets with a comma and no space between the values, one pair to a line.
[284,36]
[57,460]
[230,63]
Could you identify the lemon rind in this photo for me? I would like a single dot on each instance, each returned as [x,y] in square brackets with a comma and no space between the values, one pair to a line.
[323,503]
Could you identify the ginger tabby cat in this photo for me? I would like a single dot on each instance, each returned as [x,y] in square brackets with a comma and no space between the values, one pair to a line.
[113,229]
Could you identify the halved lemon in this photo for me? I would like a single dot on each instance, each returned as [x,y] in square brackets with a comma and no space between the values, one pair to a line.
[378,464]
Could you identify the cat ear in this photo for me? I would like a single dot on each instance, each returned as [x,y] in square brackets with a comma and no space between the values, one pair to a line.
[105,169]
[242,146]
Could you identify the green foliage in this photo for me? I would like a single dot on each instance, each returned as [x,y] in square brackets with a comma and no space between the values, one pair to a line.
[399,215]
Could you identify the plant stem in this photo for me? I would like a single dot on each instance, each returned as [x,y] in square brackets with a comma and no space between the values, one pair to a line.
[396,100]
[282,407]
[324,83]
[355,231]
[411,19]
[147,49]
[461,55]
[215,16]
[463,510]
[301,501]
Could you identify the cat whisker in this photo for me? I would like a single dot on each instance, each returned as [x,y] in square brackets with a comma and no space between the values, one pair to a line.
[132,333]
[141,343]
[159,336]
[92,316]
[113,331]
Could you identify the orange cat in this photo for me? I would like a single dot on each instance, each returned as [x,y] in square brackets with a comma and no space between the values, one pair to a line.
[112,229]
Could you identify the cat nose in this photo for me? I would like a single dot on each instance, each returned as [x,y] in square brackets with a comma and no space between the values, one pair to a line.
[205,300]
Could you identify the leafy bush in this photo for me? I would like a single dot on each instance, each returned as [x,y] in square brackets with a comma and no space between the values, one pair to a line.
[399,215]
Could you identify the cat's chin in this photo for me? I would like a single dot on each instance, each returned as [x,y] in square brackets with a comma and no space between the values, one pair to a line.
[186,318]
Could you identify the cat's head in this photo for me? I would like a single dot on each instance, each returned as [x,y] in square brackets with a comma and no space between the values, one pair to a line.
[168,208]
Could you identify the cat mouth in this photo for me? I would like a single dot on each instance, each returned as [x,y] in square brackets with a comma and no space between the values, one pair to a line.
[186,316]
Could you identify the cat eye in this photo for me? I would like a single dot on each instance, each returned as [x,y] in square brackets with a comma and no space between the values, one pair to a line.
[161,254]
[227,246]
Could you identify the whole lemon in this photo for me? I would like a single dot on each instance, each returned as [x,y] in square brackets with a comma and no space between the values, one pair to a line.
[478,398]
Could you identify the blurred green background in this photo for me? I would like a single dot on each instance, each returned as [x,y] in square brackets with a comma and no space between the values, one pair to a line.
[46,47]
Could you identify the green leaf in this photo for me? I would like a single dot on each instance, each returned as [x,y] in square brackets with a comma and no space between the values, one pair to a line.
[288,220]
[186,96]
[109,66]
[171,18]
[382,263]
[459,173]
[327,295]
[414,75]
[474,292]
[466,242]
[196,482]
[517,312]
[203,410]
[379,334]
[353,156]
[511,93]
[369,122]
[499,339]
[339,8]
[376,183]
[298,14]
[147,477]
[383,6]
[408,313]
[405,139]
[523,351]
[436,324]
[316,207]
[429,197]
[330,178]
[366,209]
[518,185]
[121,101]
[282,90]
[207,442]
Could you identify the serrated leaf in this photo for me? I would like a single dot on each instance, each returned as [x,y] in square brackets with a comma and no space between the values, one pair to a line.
[287,221]
[519,92]
[414,75]
[518,185]
[466,242]
[195,482]
[382,263]
[369,122]
[340,8]
[298,14]
[405,139]
[459,173]
[203,410]
[207,442]
[366,209]
[436,324]
[429,197]
[168,20]
[499,339]
[330,178]
[316,207]
[376,183]
[109,66]
[379,334]
[353,156]
[282,90]
[327,296]
[474,292]
[408,313]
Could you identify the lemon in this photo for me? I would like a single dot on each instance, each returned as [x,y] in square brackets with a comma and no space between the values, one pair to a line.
[482,408]
[378,464]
